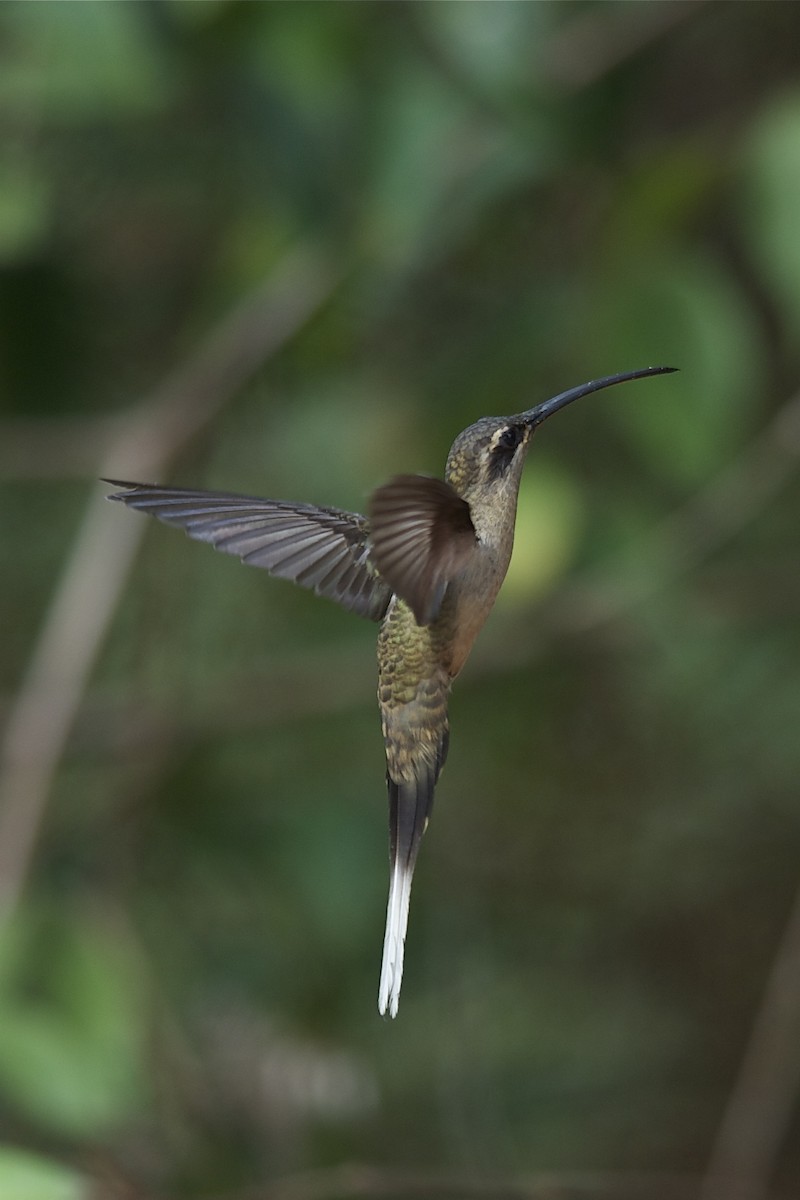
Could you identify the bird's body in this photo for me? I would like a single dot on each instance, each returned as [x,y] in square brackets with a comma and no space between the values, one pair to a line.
[428,563]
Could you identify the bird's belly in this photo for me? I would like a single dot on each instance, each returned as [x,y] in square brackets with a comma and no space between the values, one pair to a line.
[412,694]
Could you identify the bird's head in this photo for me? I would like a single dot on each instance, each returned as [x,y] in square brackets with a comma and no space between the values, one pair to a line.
[487,458]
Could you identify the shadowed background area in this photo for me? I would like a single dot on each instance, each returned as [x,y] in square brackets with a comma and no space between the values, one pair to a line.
[292,250]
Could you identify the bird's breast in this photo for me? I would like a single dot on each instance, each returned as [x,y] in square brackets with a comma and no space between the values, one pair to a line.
[470,617]
[468,602]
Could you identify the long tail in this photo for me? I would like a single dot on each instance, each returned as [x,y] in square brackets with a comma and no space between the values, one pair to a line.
[410,804]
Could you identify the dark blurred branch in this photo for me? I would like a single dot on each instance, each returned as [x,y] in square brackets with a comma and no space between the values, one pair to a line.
[578,54]
[599,39]
[350,1181]
[346,1182]
[94,577]
[764,1095]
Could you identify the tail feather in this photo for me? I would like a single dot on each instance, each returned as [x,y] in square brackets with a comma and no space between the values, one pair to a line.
[410,805]
[394,940]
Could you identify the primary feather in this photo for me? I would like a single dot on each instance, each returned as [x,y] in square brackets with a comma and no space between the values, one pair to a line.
[324,549]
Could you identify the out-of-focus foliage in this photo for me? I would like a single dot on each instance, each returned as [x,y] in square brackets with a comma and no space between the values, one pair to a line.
[507,199]
[26,1177]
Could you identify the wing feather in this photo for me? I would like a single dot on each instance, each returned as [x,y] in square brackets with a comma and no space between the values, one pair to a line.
[324,549]
[422,535]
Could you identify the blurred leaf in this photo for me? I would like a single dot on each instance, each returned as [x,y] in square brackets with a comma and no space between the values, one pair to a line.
[70,1028]
[417,159]
[197,13]
[492,42]
[309,63]
[549,526]
[437,163]
[768,201]
[680,312]
[70,59]
[663,195]
[24,210]
[28,1177]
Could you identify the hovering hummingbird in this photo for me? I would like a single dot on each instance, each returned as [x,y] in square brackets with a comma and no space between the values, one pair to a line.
[427,563]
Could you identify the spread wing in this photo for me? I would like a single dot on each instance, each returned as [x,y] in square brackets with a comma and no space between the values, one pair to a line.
[324,549]
[422,535]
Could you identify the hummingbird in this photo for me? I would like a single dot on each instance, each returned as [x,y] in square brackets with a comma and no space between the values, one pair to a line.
[427,563]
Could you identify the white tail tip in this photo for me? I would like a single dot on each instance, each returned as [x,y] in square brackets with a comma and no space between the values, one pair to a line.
[394,940]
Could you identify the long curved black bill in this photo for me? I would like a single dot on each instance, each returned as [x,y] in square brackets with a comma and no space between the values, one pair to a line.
[535,416]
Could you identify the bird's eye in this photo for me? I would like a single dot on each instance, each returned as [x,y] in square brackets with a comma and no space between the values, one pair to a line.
[503,449]
[510,437]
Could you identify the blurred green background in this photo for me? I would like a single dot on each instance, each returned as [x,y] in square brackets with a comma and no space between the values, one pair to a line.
[292,249]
